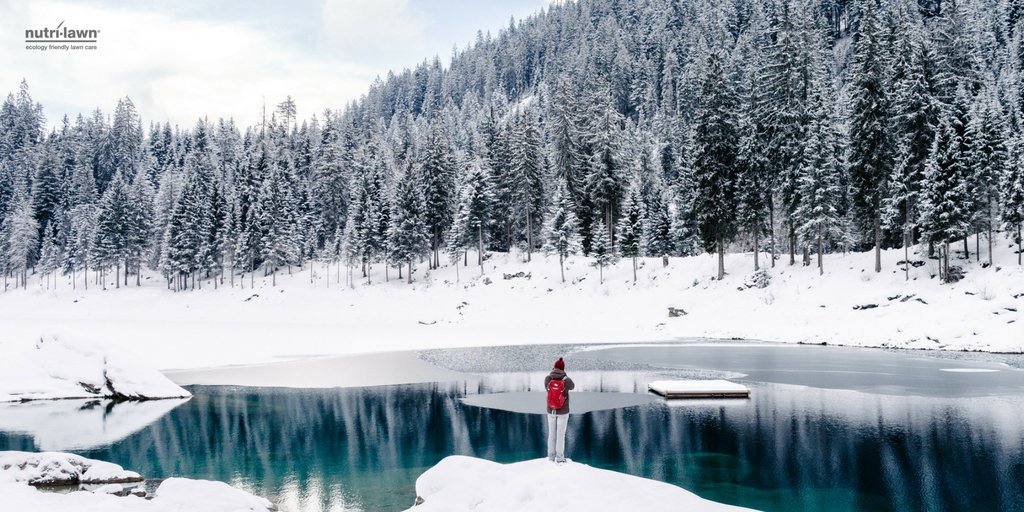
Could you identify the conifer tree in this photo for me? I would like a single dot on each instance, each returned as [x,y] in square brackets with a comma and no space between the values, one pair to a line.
[1013,193]
[19,238]
[817,215]
[870,137]
[438,170]
[714,163]
[407,235]
[561,229]
[602,250]
[631,227]
[988,159]
[944,213]
[473,212]
[528,170]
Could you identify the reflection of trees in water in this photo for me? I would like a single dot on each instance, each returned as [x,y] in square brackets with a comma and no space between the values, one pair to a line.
[788,448]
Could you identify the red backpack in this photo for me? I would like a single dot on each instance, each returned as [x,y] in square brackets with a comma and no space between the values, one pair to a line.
[556,394]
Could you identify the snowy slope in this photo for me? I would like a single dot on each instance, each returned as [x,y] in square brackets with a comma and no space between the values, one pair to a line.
[467,483]
[299,319]
[61,366]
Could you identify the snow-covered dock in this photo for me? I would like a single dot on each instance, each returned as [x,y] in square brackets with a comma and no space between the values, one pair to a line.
[699,389]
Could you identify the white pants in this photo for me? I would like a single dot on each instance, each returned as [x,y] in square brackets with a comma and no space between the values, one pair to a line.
[556,435]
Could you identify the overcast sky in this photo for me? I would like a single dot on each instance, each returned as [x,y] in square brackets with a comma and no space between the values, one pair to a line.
[181,59]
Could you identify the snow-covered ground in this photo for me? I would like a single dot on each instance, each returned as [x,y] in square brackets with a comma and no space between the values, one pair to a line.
[299,319]
[19,469]
[467,483]
[63,366]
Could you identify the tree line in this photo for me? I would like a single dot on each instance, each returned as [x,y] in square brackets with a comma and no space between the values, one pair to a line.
[603,127]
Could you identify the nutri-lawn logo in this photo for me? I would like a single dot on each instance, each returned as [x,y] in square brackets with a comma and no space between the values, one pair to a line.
[61,38]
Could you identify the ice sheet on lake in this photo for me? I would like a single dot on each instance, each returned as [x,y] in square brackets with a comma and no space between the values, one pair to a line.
[579,402]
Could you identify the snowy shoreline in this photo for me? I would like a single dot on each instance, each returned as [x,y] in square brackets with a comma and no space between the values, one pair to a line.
[299,320]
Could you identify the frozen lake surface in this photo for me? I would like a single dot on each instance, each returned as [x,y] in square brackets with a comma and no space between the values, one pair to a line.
[826,428]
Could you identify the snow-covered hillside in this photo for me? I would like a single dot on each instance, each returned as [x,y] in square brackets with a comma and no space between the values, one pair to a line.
[849,305]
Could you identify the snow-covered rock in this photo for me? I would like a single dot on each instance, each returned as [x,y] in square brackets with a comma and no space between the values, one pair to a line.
[460,483]
[55,468]
[60,367]
[19,469]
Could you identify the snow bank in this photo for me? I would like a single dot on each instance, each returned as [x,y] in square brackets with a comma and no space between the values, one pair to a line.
[60,367]
[464,483]
[19,469]
[299,319]
[53,468]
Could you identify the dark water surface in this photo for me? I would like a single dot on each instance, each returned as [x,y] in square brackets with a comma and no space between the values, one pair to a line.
[871,434]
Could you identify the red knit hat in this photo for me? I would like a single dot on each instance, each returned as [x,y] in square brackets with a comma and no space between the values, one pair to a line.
[560,364]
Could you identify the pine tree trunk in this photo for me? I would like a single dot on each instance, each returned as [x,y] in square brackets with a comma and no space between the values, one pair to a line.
[906,254]
[878,244]
[1018,245]
[274,278]
[967,250]
[977,245]
[85,276]
[634,269]
[117,274]
[793,245]
[757,264]
[807,256]
[990,244]
[771,227]
[721,259]
[821,266]
[600,271]
[410,272]
[480,248]
[74,279]
[529,236]
[561,265]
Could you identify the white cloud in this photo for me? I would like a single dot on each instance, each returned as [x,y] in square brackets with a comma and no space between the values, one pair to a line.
[385,29]
[172,69]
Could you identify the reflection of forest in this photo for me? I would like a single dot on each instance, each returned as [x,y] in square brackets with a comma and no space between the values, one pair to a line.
[789,448]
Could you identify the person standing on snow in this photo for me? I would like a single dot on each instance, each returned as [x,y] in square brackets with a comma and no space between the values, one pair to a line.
[558,385]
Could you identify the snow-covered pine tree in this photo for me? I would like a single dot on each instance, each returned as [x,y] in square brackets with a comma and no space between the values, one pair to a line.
[988,159]
[474,209]
[568,159]
[407,235]
[716,145]
[277,218]
[110,245]
[631,227]
[528,171]
[944,206]
[562,229]
[1013,193]
[916,108]
[817,215]
[871,150]
[50,255]
[140,220]
[602,249]
[439,192]
[605,181]
[19,237]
